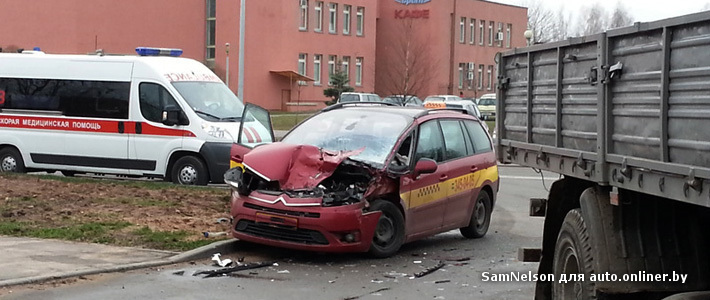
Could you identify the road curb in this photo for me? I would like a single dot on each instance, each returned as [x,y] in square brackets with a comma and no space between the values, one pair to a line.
[206,251]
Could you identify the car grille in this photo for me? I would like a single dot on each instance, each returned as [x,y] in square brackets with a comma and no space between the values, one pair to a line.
[281,211]
[281,233]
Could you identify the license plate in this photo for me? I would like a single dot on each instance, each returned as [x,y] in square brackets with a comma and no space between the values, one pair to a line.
[275,219]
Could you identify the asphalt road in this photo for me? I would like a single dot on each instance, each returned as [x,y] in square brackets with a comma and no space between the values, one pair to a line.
[303,275]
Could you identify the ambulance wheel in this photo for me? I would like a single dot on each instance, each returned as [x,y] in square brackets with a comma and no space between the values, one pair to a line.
[11,161]
[389,232]
[189,170]
[68,173]
[480,218]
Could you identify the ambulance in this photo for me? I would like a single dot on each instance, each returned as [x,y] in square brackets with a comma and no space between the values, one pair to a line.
[153,114]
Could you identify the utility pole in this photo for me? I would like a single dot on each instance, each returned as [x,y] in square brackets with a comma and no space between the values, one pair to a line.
[242,15]
[226,47]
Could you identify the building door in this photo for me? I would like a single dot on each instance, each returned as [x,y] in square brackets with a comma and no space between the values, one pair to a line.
[285,99]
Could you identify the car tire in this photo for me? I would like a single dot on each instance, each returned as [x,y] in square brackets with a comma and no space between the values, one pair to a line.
[480,218]
[189,170]
[11,161]
[389,232]
[573,256]
[68,173]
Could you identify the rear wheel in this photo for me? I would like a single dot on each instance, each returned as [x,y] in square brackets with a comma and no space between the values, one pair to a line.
[480,218]
[573,256]
[11,161]
[189,170]
[389,232]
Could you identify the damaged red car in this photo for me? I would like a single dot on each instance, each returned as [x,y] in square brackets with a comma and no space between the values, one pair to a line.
[356,178]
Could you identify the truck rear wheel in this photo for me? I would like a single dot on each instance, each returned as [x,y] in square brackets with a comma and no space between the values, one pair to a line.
[189,170]
[573,256]
[11,161]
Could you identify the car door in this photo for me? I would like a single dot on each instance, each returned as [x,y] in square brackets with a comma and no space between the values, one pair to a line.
[424,194]
[255,121]
[462,166]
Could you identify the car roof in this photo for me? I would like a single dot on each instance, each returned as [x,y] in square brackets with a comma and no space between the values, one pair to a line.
[413,112]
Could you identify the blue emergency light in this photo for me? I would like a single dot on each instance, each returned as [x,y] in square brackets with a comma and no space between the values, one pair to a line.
[150,51]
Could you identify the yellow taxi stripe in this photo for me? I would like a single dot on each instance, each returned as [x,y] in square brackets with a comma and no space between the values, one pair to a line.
[452,186]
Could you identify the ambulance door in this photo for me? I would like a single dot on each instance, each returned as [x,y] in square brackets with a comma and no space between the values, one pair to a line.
[150,140]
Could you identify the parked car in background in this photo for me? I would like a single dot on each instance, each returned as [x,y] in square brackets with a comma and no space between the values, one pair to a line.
[366,178]
[470,107]
[487,105]
[442,98]
[404,100]
[358,97]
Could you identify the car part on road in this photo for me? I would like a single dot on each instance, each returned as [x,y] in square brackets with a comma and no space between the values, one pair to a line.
[225,271]
[429,270]
[370,293]
[208,234]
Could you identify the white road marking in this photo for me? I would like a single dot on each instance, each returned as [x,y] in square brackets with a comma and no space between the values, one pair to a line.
[522,177]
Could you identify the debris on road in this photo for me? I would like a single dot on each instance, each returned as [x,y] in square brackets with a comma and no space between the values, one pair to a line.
[225,271]
[283,272]
[459,259]
[417,261]
[220,262]
[442,281]
[429,270]
[208,234]
[179,273]
[370,293]
[223,220]
[376,281]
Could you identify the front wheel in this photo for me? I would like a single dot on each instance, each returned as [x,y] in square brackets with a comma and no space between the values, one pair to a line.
[189,170]
[573,257]
[11,161]
[480,218]
[389,232]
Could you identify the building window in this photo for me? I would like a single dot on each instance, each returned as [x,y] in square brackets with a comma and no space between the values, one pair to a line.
[346,19]
[358,71]
[469,73]
[319,16]
[332,26]
[508,30]
[346,66]
[490,33]
[304,15]
[462,66]
[211,9]
[360,30]
[499,34]
[331,67]
[472,31]
[481,24]
[316,68]
[462,30]
[302,63]
[489,86]
[480,76]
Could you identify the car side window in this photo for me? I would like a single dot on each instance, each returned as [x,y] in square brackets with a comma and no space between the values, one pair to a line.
[153,99]
[480,140]
[401,157]
[467,139]
[453,139]
[430,143]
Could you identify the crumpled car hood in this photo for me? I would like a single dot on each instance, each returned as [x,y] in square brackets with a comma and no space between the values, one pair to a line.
[295,166]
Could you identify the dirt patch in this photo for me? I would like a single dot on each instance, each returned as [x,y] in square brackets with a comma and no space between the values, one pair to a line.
[127,213]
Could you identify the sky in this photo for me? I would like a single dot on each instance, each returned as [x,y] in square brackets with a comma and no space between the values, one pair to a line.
[641,10]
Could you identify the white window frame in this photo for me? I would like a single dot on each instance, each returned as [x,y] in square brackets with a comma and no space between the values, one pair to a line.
[480,76]
[302,58]
[499,33]
[360,18]
[470,70]
[319,16]
[472,29]
[303,25]
[462,66]
[345,66]
[490,32]
[358,71]
[346,18]
[333,17]
[331,67]
[317,68]
[210,51]
[462,30]
[508,30]
[489,85]
[481,32]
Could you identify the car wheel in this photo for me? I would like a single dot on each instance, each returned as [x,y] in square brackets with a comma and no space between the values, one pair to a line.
[189,170]
[389,232]
[480,218]
[11,161]
[68,173]
[573,256]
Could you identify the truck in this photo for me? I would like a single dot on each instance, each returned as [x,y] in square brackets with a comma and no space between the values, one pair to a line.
[624,117]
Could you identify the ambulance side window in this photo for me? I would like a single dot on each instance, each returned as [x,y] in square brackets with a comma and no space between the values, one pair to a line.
[153,99]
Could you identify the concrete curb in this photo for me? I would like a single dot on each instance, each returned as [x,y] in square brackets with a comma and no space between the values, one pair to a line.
[206,251]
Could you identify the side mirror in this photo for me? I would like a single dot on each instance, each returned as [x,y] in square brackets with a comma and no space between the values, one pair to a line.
[171,115]
[425,166]
[233,176]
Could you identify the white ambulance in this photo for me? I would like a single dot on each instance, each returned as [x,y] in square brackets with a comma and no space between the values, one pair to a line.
[148,115]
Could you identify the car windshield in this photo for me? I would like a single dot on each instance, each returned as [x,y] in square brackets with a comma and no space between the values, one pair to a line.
[487,102]
[350,129]
[349,98]
[212,101]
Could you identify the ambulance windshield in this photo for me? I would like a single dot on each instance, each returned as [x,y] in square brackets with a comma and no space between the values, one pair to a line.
[212,101]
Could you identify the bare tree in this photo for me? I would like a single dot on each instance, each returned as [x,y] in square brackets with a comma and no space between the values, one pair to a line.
[594,19]
[706,7]
[560,31]
[620,17]
[541,21]
[408,64]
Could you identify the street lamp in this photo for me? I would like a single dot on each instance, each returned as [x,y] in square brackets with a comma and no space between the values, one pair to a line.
[529,34]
